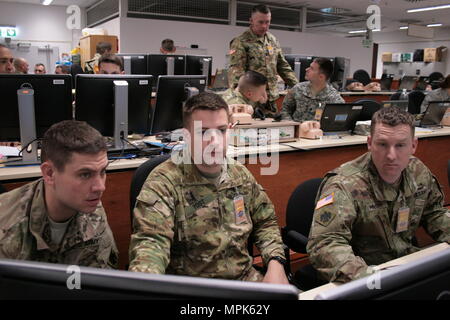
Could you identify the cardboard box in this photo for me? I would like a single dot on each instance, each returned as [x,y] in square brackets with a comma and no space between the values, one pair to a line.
[264,132]
[386,57]
[407,57]
[396,57]
[432,54]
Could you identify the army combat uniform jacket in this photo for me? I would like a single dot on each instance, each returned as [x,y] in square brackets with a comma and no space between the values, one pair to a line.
[356,221]
[231,96]
[25,232]
[260,54]
[300,104]
[185,225]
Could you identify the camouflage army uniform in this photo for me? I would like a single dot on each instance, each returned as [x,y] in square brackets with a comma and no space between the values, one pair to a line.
[25,232]
[358,228]
[91,66]
[300,104]
[233,96]
[435,95]
[261,54]
[185,225]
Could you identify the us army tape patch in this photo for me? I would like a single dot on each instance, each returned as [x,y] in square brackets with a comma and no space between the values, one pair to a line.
[325,201]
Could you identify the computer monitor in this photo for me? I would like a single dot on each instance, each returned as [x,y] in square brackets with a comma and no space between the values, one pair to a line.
[171,93]
[386,82]
[427,278]
[340,73]
[434,113]
[30,104]
[408,83]
[199,65]
[340,117]
[165,64]
[38,280]
[116,105]
[299,63]
[134,63]
[402,104]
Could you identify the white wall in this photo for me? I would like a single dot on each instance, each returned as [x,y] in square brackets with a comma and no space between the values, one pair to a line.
[145,35]
[400,42]
[112,27]
[40,25]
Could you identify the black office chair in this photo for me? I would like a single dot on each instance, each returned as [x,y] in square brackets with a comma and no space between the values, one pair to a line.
[435,79]
[415,99]
[369,108]
[139,177]
[396,96]
[362,76]
[299,215]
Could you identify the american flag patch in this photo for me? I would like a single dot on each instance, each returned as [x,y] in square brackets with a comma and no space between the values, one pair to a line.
[324,201]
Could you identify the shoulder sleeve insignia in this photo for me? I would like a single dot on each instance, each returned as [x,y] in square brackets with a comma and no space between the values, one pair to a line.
[325,218]
[232,51]
[325,201]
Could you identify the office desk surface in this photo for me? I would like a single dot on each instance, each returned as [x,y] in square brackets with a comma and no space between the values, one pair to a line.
[311,294]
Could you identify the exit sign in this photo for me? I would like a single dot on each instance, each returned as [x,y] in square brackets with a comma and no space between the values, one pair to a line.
[8,32]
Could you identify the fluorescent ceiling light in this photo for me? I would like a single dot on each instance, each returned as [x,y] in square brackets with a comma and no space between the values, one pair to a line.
[403,28]
[363,31]
[434,25]
[444,6]
[46,2]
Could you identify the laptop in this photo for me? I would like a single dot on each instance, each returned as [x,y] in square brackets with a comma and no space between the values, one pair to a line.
[408,83]
[340,117]
[433,114]
[402,104]
[386,83]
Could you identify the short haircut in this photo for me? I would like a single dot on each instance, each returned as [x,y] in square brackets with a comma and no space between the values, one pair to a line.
[252,79]
[39,65]
[168,45]
[203,101]
[392,116]
[18,62]
[64,68]
[111,58]
[102,47]
[261,8]
[69,136]
[325,66]
[445,84]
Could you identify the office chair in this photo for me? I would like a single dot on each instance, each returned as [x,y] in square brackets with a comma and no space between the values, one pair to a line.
[415,99]
[2,189]
[396,96]
[139,177]
[435,79]
[362,76]
[369,108]
[299,215]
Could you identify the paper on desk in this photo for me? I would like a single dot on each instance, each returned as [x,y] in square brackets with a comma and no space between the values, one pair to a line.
[420,129]
[9,151]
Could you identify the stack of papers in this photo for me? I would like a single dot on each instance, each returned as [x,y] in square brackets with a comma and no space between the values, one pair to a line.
[9,152]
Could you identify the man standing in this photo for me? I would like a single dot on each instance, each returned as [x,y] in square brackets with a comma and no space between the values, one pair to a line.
[91,66]
[196,211]
[39,68]
[21,65]
[305,101]
[369,209]
[258,50]
[59,218]
[6,60]
[167,47]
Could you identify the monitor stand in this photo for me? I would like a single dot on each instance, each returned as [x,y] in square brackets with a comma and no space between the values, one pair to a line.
[127,64]
[170,61]
[205,68]
[25,97]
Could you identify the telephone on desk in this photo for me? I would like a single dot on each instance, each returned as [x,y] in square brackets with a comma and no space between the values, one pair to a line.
[310,130]
[241,113]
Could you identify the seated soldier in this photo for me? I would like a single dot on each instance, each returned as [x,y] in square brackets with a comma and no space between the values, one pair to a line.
[369,209]
[250,90]
[59,218]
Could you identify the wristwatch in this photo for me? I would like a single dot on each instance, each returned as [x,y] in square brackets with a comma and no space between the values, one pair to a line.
[279,259]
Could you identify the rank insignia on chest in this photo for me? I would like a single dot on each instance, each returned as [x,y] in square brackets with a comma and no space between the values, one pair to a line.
[239,209]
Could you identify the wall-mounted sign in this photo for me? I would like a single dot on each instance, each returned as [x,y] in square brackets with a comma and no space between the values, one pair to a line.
[8,32]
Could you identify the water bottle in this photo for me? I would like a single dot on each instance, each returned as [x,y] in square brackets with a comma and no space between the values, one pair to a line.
[404,95]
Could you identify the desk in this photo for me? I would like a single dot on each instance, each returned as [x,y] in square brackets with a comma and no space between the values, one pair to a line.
[298,161]
[311,294]
[353,96]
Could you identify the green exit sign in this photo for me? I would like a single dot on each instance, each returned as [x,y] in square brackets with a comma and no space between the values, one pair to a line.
[9,32]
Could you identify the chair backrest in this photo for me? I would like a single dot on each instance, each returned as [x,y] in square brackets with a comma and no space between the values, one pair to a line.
[139,177]
[415,99]
[435,76]
[396,96]
[362,76]
[369,108]
[300,210]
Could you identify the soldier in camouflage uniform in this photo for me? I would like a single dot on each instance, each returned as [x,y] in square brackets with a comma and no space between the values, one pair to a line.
[250,90]
[59,218]
[305,101]
[91,66]
[257,49]
[194,218]
[369,209]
